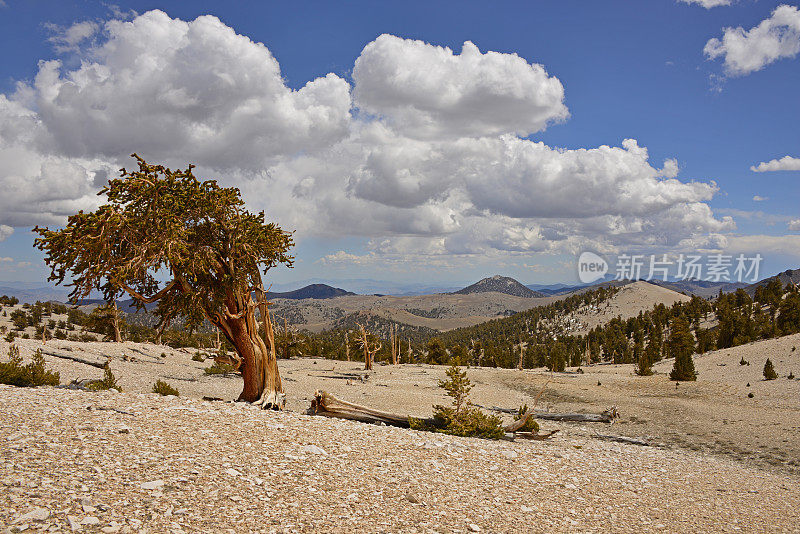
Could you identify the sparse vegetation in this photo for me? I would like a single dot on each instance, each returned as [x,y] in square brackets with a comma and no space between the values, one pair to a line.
[109,381]
[218,368]
[462,419]
[164,389]
[743,361]
[196,357]
[33,374]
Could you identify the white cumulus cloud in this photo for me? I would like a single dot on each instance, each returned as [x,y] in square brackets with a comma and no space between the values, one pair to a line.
[746,51]
[794,225]
[708,4]
[428,91]
[427,159]
[193,91]
[786,163]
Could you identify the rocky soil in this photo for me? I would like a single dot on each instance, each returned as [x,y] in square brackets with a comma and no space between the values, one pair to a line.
[718,459]
[132,462]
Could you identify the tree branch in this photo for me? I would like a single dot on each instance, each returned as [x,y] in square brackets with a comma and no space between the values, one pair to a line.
[140,297]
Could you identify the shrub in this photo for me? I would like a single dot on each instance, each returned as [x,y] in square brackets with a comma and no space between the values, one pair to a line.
[791,375]
[769,371]
[750,395]
[197,357]
[743,361]
[109,381]
[33,374]
[162,388]
[10,337]
[219,369]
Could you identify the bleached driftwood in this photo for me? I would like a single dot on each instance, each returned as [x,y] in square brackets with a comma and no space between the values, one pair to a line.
[326,404]
[607,416]
[55,354]
[624,439]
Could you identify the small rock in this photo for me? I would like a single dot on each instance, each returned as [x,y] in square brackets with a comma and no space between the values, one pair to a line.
[313,449]
[474,528]
[233,472]
[90,520]
[526,508]
[152,485]
[74,523]
[410,497]
[37,514]
[510,454]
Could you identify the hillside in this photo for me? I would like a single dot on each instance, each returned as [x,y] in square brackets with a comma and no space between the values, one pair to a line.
[701,288]
[500,284]
[628,302]
[790,276]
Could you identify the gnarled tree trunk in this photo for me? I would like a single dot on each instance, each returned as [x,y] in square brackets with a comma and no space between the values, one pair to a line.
[115,322]
[262,381]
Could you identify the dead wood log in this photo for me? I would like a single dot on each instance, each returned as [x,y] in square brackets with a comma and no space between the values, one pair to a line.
[607,416]
[51,352]
[519,423]
[624,439]
[326,404]
[536,437]
[363,377]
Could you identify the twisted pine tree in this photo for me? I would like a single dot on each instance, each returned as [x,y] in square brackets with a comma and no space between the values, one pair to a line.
[681,346]
[159,222]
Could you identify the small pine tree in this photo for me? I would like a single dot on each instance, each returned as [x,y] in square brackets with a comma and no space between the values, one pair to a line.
[644,366]
[457,386]
[462,419]
[769,371]
[31,375]
[681,345]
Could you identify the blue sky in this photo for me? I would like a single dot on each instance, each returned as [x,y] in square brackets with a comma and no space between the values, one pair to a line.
[396,159]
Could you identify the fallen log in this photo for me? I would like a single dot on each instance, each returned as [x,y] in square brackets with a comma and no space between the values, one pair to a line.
[346,376]
[536,437]
[55,354]
[607,416]
[326,404]
[623,439]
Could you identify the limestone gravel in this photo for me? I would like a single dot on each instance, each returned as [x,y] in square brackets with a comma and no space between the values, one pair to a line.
[187,465]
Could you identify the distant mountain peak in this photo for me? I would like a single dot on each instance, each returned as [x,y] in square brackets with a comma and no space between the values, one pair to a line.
[500,284]
[313,291]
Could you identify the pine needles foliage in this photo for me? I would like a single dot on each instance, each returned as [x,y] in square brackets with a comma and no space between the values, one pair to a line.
[164,389]
[33,374]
